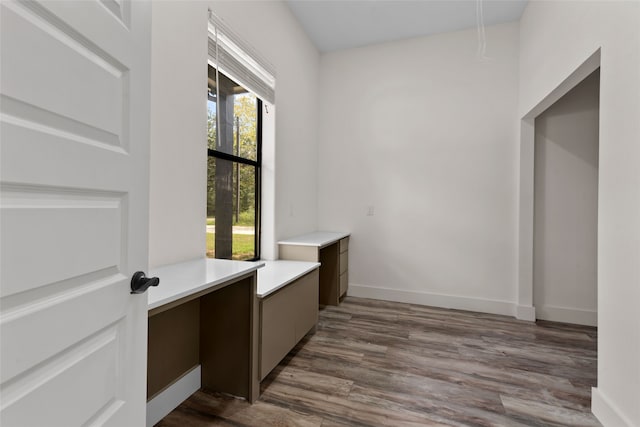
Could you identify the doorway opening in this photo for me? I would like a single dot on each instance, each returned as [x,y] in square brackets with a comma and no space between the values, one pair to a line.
[565,219]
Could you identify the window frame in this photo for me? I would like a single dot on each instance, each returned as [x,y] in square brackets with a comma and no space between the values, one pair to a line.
[257,164]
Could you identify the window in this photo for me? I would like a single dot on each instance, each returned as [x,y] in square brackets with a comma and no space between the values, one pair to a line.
[239,81]
[233,183]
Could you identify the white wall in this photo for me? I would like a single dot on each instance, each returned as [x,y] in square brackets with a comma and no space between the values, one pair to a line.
[424,131]
[566,207]
[555,38]
[178,182]
[178,123]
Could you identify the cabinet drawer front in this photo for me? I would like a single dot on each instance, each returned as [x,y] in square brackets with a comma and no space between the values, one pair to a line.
[344,244]
[344,261]
[344,283]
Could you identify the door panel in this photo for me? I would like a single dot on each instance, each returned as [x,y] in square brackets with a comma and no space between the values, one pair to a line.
[92,106]
[49,320]
[37,222]
[88,392]
[74,116]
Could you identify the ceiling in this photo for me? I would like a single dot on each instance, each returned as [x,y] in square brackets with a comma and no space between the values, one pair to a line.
[342,24]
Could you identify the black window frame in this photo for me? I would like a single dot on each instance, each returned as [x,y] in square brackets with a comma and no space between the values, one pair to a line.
[257,164]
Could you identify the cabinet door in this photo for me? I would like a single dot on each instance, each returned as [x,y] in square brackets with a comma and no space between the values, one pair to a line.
[306,306]
[277,329]
[286,316]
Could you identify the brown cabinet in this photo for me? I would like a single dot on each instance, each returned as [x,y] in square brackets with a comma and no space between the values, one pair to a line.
[332,251]
[286,316]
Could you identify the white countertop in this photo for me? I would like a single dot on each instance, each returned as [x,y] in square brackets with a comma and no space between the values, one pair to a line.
[318,238]
[187,278]
[277,274]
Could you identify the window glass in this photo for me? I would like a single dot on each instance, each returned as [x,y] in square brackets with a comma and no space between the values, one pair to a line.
[238,118]
[233,179]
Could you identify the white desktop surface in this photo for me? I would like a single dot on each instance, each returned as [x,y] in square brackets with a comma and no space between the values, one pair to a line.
[187,278]
[318,238]
[277,274]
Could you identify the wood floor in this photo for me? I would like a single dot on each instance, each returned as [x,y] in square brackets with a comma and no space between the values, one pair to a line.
[375,363]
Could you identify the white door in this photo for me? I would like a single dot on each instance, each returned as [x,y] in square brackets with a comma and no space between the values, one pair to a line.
[74,107]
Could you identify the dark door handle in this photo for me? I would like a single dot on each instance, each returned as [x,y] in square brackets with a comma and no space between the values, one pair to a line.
[140,282]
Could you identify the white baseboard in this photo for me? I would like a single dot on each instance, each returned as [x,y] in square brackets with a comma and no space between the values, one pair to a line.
[526,312]
[170,398]
[434,300]
[606,412]
[567,315]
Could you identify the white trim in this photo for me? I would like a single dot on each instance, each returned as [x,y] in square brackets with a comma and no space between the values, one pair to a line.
[483,305]
[170,398]
[526,312]
[268,245]
[606,412]
[568,315]
[526,184]
[525,214]
[581,72]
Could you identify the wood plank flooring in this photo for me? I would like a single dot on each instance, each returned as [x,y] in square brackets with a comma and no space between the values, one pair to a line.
[377,363]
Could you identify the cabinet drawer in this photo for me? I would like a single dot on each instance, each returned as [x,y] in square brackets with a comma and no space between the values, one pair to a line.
[344,244]
[344,283]
[344,261]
